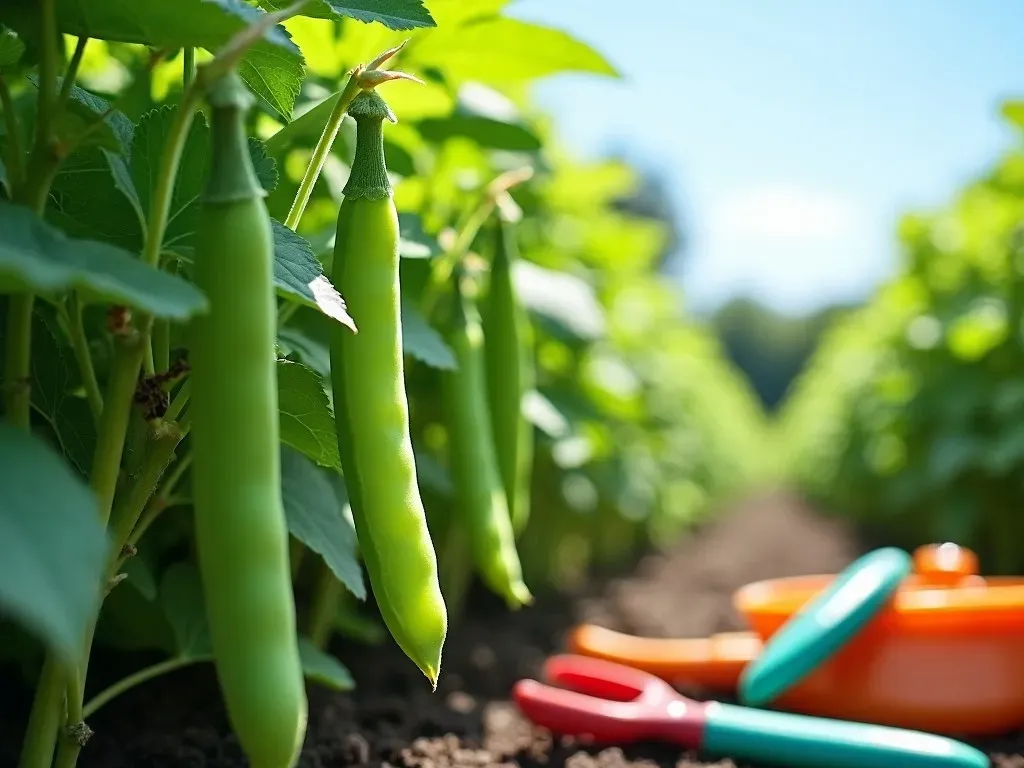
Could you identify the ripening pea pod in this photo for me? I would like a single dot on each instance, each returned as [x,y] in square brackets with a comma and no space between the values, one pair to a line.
[371,407]
[508,355]
[241,534]
[479,493]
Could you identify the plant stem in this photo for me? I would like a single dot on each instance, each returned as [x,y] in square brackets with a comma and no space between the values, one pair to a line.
[158,453]
[156,506]
[46,716]
[320,152]
[137,678]
[72,71]
[15,160]
[80,345]
[18,360]
[325,606]
[441,274]
[180,401]
[188,66]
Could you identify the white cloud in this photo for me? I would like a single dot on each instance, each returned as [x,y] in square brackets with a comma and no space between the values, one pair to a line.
[784,211]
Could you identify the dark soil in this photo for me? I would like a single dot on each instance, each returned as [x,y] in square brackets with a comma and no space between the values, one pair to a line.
[393,719]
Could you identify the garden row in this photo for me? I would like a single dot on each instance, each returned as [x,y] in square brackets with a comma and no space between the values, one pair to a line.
[910,415]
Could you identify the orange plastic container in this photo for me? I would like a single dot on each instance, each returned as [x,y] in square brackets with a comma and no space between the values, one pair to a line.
[945,655]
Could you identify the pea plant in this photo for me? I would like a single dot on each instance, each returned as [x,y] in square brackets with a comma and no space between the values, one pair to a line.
[261,335]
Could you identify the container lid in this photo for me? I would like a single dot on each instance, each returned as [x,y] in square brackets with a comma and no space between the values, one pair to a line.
[824,625]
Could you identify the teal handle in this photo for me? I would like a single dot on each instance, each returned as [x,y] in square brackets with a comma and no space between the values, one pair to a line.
[783,739]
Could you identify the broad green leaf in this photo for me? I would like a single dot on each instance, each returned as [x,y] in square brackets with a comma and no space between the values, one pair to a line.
[166,24]
[264,165]
[543,414]
[52,547]
[315,517]
[310,351]
[37,257]
[415,243]
[423,342]
[148,144]
[181,594]
[485,131]
[307,422]
[505,50]
[300,277]
[80,124]
[394,14]
[140,576]
[92,197]
[562,298]
[274,75]
[1013,111]
[11,48]
[52,380]
[320,667]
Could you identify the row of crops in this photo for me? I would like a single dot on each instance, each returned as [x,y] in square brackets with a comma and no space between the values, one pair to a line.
[910,415]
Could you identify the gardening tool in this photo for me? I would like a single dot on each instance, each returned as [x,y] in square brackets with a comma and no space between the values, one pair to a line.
[922,643]
[613,703]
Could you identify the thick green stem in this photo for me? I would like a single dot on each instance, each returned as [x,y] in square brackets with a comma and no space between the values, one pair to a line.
[155,507]
[137,678]
[46,717]
[188,66]
[80,345]
[18,360]
[325,606]
[320,152]
[158,452]
[180,401]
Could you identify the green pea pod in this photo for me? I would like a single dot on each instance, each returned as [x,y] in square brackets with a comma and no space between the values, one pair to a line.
[508,352]
[371,409]
[241,534]
[480,494]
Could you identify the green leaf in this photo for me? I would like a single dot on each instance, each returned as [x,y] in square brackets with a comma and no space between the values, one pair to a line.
[52,381]
[93,197]
[264,165]
[307,422]
[52,547]
[275,75]
[157,23]
[300,277]
[35,256]
[394,14]
[485,131]
[181,594]
[321,667]
[1013,112]
[80,124]
[415,243]
[506,50]
[421,341]
[316,518]
[140,576]
[148,144]
[309,350]
[11,48]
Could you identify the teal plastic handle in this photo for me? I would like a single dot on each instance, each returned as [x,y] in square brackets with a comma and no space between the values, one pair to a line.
[782,739]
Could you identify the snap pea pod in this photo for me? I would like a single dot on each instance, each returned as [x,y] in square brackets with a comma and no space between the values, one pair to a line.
[480,495]
[241,535]
[371,408]
[508,355]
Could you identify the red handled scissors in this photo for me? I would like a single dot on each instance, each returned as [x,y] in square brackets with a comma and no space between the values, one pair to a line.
[613,703]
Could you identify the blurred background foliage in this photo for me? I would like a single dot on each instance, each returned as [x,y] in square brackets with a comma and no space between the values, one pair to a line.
[910,414]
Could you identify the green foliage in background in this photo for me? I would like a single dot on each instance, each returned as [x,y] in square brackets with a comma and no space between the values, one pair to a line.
[910,416]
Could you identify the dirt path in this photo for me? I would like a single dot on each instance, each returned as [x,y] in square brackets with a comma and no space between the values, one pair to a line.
[393,719]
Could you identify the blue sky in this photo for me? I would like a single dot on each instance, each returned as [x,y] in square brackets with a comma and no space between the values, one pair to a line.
[794,132]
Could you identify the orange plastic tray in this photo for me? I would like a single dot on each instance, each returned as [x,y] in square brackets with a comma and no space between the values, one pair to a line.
[946,655]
